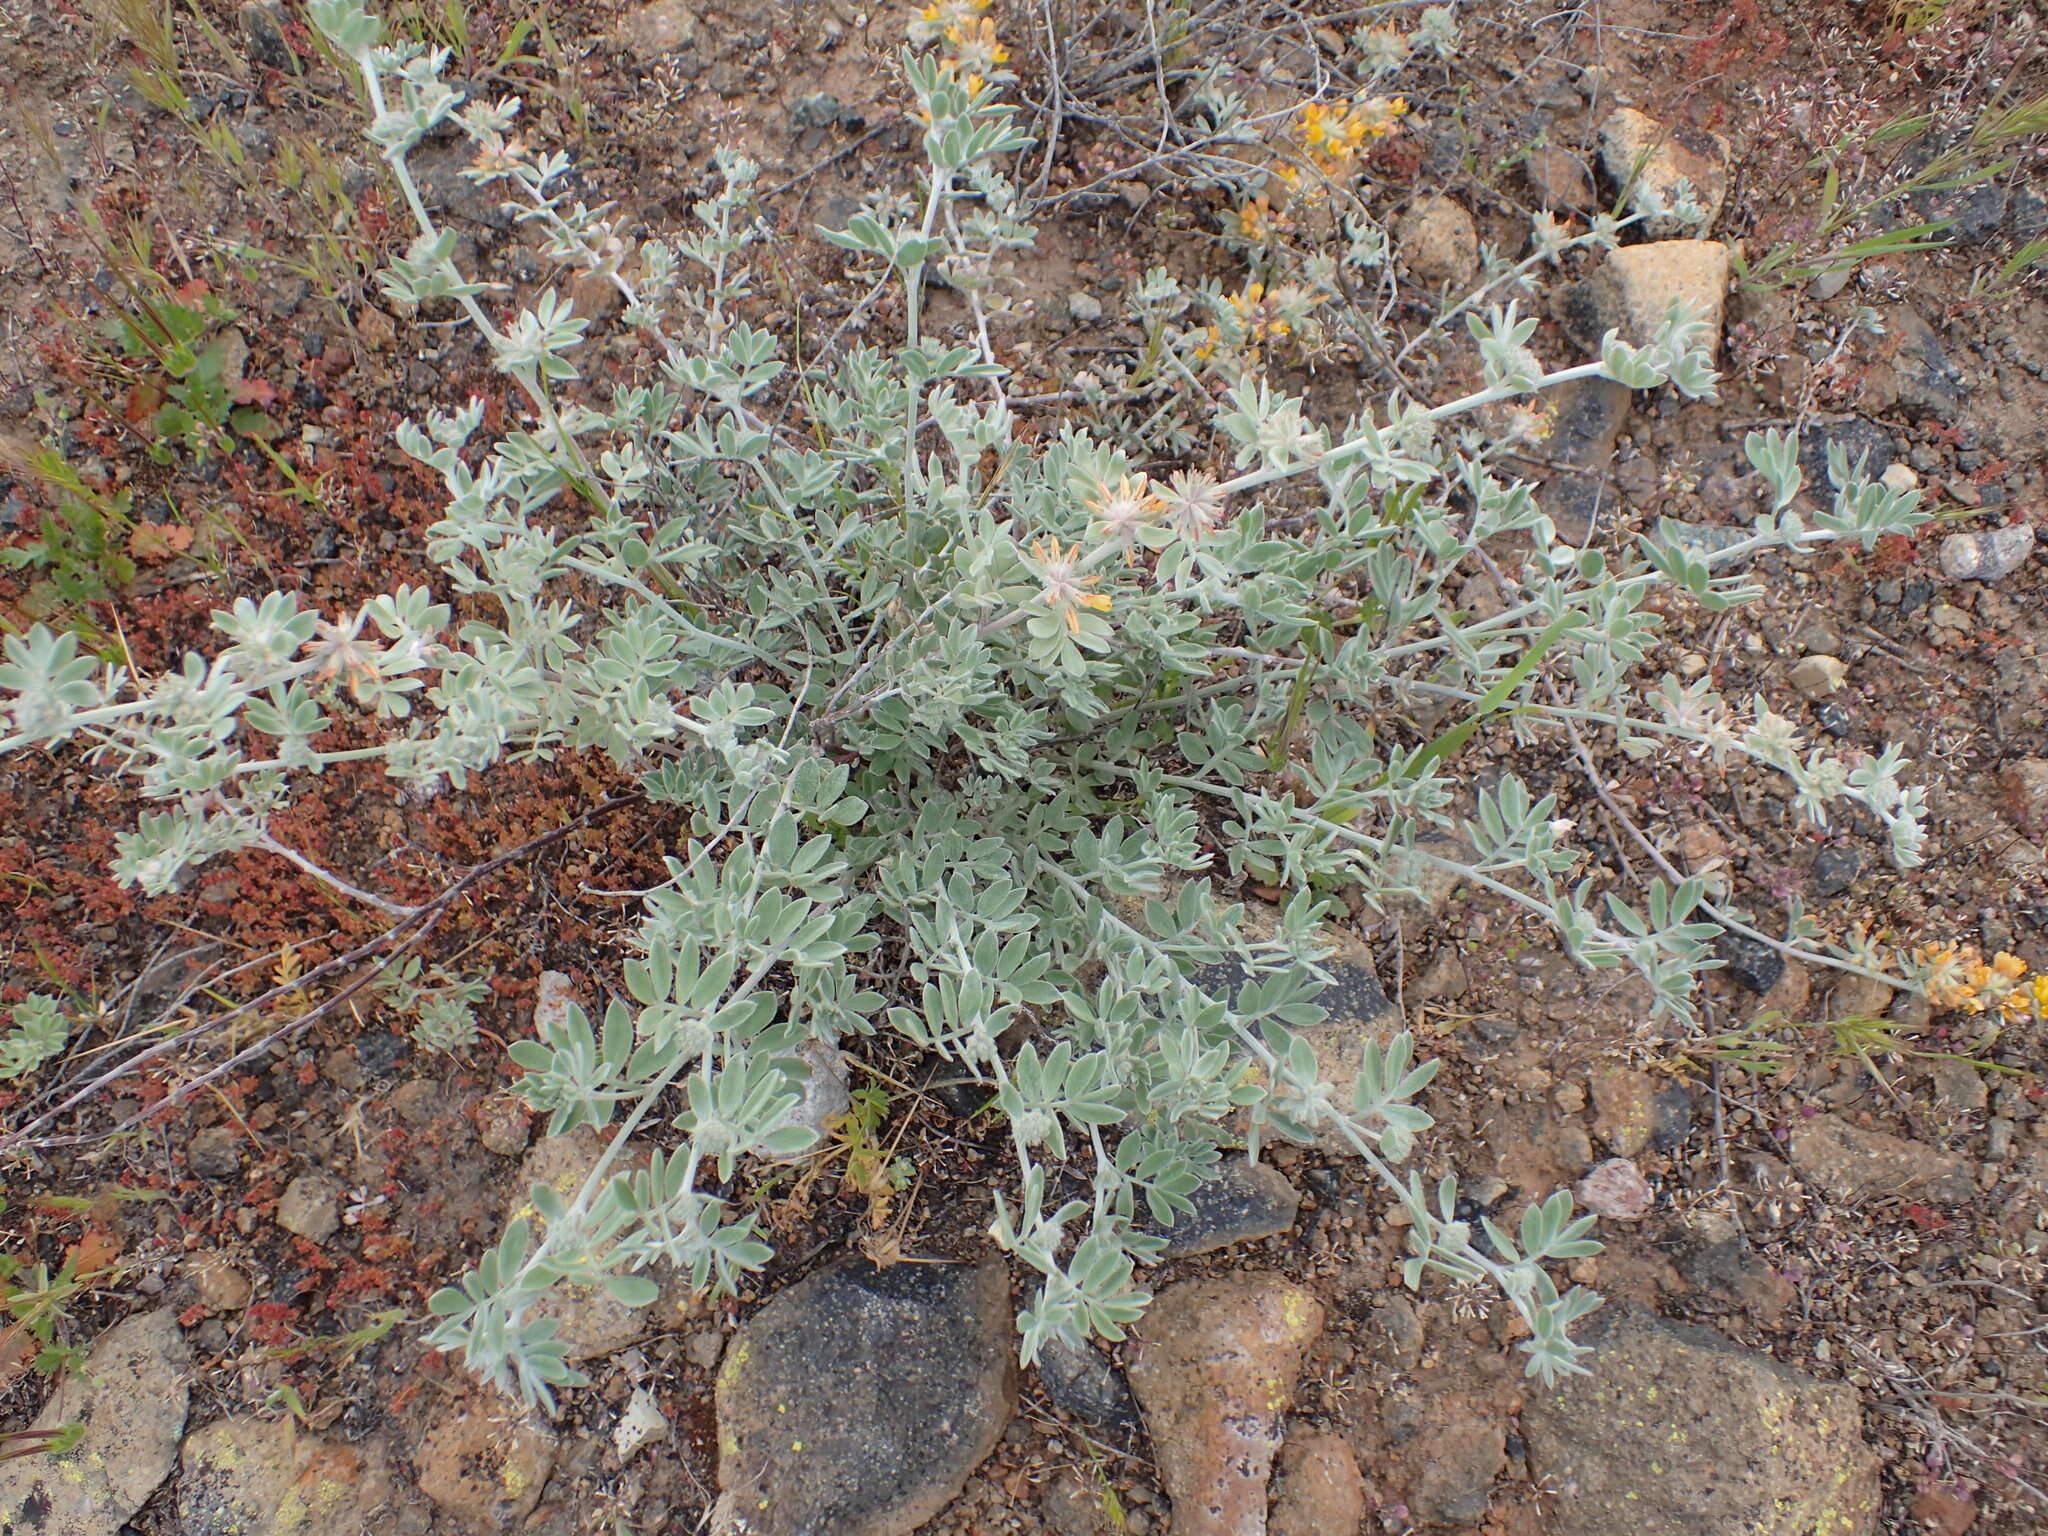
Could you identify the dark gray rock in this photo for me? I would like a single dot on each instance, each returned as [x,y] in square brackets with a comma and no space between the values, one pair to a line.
[1244,1202]
[379,1050]
[1677,1432]
[1751,962]
[1974,213]
[1833,718]
[1835,870]
[1671,1117]
[819,111]
[1077,1378]
[1588,418]
[1859,440]
[1929,385]
[263,32]
[216,1152]
[2026,215]
[859,1400]
[438,167]
[1733,1274]
[1356,1007]
[1455,1484]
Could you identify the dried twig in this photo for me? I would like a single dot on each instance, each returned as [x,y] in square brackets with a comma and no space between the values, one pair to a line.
[404,935]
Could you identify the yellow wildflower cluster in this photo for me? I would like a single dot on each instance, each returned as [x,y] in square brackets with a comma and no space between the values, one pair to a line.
[1257,221]
[976,48]
[1959,977]
[1067,581]
[1334,133]
[971,48]
[1253,316]
[1263,316]
[943,17]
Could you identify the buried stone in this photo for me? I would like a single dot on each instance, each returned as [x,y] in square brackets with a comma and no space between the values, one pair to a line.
[1356,1009]
[1243,1202]
[1077,1378]
[1753,963]
[859,1400]
[1677,1432]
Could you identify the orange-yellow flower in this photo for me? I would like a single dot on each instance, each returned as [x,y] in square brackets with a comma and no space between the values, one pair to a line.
[1947,975]
[977,46]
[1255,219]
[1320,128]
[940,17]
[2036,994]
[1123,509]
[1066,584]
[1259,314]
[1332,135]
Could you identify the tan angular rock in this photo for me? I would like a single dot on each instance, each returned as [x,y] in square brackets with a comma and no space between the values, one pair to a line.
[1851,1163]
[311,1207]
[588,1318]
[1616,1190]
[665,27]
[220,1285]
[131,1399]
[504,1125]
[1818,676]
[1664,166]
[485,1462]
[1558,179]
[1644,281]
[243,1476]
[1214,1365]
[1678,1432]
[1438,242]
[1319,1491]
[1624,1110]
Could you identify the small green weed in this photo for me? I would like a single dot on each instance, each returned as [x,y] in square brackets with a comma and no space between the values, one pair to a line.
[80,552]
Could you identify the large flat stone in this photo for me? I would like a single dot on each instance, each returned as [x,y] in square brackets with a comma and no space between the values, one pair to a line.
[131,1399]
[1678,1432]
[859,1400]
[1851,1163]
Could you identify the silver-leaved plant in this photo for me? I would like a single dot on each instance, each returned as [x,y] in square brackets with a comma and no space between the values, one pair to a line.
[986,707]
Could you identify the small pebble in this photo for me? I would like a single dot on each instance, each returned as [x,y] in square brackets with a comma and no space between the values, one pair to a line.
[1835,870]
[221,1287]
[1819,676]
[1986,556]
[310,1208]
[1617,1190]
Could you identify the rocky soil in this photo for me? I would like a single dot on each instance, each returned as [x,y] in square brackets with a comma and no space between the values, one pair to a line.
[1825,1210]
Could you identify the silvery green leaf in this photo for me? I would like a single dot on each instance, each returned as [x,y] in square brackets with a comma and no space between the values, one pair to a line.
[632,1290]
[40,1030]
